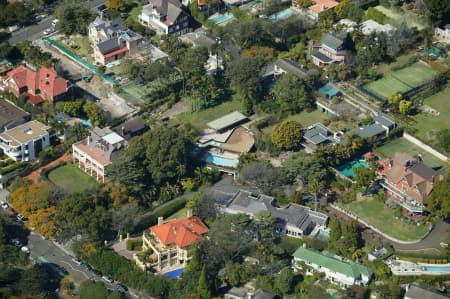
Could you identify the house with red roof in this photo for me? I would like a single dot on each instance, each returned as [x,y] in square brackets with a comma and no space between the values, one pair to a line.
[41,85]
[170,242]
[408,180]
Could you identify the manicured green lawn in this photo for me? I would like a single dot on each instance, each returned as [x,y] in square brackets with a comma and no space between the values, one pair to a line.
[402,145]
[426,125]
[411,19]
[383,218]
[384,68]
[305,118]
[201,118]
[178,214]
[71,179]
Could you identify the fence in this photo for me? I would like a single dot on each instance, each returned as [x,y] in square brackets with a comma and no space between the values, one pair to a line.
[425,147]
[353,216]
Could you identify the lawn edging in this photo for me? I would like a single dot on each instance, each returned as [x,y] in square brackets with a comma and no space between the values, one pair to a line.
[46,170]
[385,235]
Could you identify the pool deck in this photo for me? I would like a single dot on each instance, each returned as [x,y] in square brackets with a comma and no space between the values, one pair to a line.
[404,268]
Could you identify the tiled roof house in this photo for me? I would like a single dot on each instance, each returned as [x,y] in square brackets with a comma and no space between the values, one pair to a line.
[331,50]
[409,180]
[43,84]
[166,16]
[171,241]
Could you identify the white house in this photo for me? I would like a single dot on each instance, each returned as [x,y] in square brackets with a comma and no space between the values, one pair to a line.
[443,34]
[165,16]
[337,269]
[24,142]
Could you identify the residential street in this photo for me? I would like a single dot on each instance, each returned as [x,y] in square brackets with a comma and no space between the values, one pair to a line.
[34,32]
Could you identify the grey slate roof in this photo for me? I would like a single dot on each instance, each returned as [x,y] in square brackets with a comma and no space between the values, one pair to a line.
[384,121]
[109,45]
[169,8]
[369,131]
[332,41]
[131,127]
[292,214]
[291,67]
[416,292]
[318,134]
[11,115]
[263,294]
[322,57]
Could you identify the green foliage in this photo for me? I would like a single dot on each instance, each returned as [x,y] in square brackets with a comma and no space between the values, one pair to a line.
[348,10]
[335,232]
[376,15]
[364,176]
[405,107]
[284,280]
[94,113]
[439,200]
[203,285]
[291,95]
[303,167]
[287,135]
[73,17]
[443,139]
[72,108]
[119,268]
[33,55]
[134,245]
[261,174]
[438,11]
[14,13]
[92,289]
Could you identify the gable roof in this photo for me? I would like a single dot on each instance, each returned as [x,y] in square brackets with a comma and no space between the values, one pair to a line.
[182,232]
[318,133]
[417,292]
[10,113]
[291,67]
[333,262]
[322,5]
[332,41]
[169,8]
[227,121]
[370,131]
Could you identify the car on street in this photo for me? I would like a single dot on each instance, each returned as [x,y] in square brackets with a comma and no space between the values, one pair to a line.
[96,272]
[107,279]
[121,288]
[4,205]
[76,261]
[20,217]
[86,267]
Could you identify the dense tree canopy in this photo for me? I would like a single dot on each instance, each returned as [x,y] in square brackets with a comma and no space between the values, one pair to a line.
[439,200]
[287,135]
[291,95]
[73,17]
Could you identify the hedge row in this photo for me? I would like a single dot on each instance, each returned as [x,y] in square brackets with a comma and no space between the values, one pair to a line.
[165,211]
[12,167]
[46,171]
[134,245]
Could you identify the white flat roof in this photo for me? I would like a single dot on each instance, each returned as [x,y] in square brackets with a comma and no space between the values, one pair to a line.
[112,138]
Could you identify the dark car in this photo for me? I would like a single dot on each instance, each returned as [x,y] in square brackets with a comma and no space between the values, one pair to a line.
[121,288]
[96,272]
[86,267]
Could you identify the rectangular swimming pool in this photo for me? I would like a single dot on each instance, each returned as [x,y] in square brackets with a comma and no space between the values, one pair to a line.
[175,273]
[221,18]
[220,160]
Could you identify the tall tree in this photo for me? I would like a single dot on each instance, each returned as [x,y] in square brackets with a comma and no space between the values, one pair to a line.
[287,135]
[291,95]
[284,281]
[203,286]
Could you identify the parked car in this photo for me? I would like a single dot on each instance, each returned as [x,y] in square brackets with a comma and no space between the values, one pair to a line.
[25,249]
[96,272]
[76,261]
[86,267]
[121,288]
[4,205]
[20,217]
[107,279]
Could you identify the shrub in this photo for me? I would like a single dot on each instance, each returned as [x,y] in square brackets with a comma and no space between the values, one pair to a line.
[134,245]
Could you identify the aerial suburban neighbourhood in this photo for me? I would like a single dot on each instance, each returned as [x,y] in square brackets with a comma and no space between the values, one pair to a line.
[240,149]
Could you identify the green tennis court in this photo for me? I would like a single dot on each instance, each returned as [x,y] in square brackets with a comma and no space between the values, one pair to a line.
[402,80]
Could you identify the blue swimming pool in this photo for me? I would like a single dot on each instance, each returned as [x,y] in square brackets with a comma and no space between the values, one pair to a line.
[220,160]
[438,268]
[85,122]
[348,168]
[284,14]
[175,273]
[221,18]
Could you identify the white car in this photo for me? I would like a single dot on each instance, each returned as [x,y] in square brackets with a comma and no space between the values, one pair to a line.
[25,249]
[4,205]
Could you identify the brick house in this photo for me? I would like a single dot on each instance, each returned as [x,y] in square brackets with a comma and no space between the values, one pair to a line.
[171,242]
[408,180]
[41,85]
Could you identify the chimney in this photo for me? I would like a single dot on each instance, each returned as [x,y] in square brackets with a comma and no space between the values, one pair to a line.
[189,213]
[160,220]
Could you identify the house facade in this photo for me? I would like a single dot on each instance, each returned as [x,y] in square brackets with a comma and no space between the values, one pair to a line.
[41,85]
[166,17]
[171,242]
[337,269]
[292,220]
[443,34]
[97,151]
[25,142]
[112,40]
[408,180]
[331,50]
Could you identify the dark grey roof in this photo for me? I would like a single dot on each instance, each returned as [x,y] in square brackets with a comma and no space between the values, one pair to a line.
[424,171]
[384,121]
[370,130]
[203,40]
[131,127]
[10,114]
[318,134]
[263,294]
[109,45]
[416,292]
[291,67]
[240,292]
[169,8]
[322,57]
[332,41]
[62,117]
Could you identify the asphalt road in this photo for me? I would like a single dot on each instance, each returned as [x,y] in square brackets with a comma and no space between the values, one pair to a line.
[34,32]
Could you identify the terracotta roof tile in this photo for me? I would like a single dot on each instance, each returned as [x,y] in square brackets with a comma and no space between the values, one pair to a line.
[182,232]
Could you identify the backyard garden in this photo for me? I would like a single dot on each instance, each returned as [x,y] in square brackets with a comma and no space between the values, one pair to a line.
[71,179]
[386,219]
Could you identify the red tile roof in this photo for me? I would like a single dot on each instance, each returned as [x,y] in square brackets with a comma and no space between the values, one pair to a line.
[116,52]
[33,99]
[322,5]
[45,79]
[182,232]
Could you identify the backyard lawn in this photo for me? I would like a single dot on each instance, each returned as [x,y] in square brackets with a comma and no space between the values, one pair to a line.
[178,214]
[383,218]
[305,118]
[71,179]
[201,118]
[402,145]
[426,126]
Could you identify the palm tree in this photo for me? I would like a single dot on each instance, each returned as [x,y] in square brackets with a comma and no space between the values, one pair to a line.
[315,186]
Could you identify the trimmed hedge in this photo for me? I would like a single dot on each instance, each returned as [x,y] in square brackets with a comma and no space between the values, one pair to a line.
[165,211]
[12,167]
[134,245]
